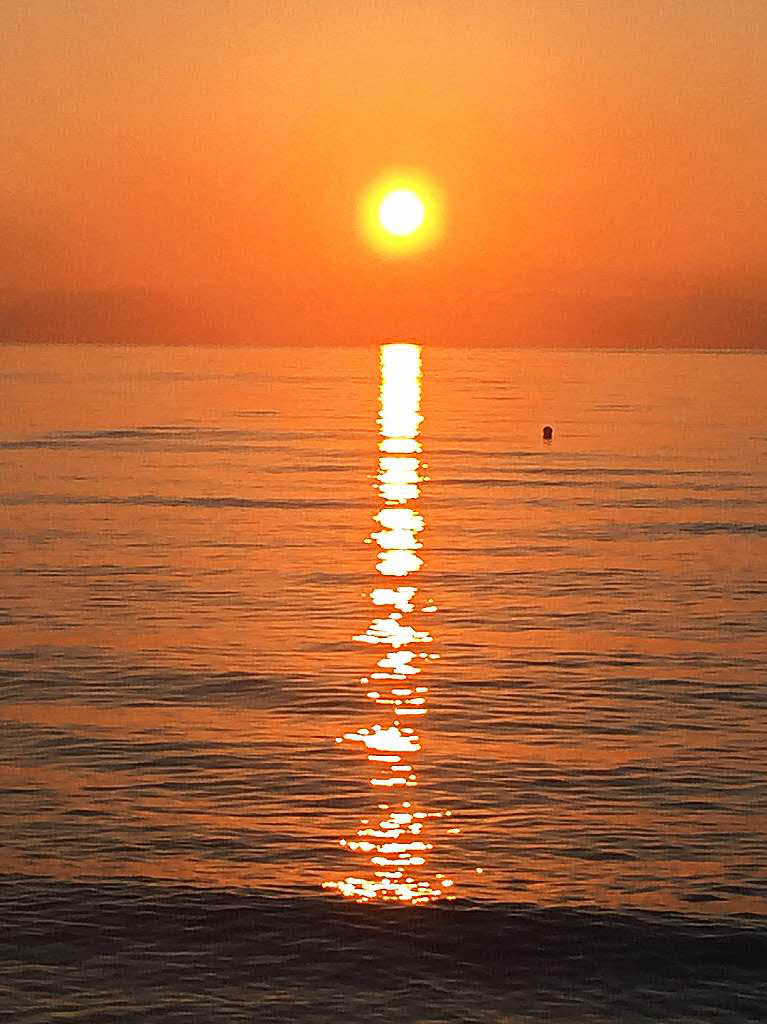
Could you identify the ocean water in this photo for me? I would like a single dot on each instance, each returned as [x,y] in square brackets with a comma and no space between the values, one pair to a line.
[330,689]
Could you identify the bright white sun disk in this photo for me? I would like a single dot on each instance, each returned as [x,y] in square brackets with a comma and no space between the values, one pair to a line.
[401,212]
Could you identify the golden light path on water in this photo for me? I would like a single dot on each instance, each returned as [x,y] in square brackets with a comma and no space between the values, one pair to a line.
[394,842]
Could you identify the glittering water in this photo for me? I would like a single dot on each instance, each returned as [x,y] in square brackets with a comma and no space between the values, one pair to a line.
[283,630]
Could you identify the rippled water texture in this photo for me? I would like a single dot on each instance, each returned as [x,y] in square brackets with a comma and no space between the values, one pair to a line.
[286,630]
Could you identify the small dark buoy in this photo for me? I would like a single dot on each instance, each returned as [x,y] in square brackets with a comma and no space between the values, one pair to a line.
[548,433]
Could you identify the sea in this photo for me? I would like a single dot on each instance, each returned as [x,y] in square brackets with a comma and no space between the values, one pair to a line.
[332,690]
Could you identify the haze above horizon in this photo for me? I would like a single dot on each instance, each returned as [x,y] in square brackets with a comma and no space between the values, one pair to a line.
[194,174]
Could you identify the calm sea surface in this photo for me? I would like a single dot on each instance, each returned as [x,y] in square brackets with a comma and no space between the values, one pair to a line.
[329,689]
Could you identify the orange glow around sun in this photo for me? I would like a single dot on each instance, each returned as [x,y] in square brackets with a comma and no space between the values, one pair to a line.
[401,212]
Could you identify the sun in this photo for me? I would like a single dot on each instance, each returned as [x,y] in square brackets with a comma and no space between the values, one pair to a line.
[401,213]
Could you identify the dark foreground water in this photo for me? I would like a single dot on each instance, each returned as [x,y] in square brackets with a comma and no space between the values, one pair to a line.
[329,689]
[129,951]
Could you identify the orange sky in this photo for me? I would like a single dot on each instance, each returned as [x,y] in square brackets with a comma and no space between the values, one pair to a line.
[190,171]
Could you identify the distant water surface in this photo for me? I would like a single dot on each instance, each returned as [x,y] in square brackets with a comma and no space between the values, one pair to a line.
[286,630]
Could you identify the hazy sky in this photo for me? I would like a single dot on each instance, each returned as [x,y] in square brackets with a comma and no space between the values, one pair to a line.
[191,170]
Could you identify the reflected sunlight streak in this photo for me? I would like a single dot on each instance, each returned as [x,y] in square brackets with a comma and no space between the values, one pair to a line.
[395,847]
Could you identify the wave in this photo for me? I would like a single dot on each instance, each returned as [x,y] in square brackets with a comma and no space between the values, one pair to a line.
[188,438]
[159,501]
[22,677]
[153,949]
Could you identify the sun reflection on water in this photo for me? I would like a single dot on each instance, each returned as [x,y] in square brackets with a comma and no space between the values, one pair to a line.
[394,842]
